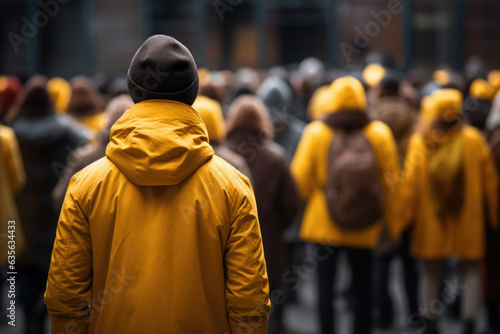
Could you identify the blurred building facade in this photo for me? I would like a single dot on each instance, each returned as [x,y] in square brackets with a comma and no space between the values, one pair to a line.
[70,37]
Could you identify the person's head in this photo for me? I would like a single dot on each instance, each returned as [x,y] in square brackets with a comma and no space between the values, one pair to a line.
[346,93]
[444,106]
[9,93]
[210,112]
[278,98]
[34,101]
[248,112]
[482,89]
[388,86]
[85,99]
[163,69]
[60,93]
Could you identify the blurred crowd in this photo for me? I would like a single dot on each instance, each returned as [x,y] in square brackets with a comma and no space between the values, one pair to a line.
[436,143]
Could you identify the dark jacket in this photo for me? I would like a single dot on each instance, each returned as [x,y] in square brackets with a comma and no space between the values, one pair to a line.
[84,156]
[45,139]
[249,130]
[44,142]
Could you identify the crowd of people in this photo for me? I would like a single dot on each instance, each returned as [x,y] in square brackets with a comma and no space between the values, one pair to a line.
[365,161]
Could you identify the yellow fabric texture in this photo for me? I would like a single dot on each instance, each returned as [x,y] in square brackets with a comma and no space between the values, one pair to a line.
[482,89]
[317,107]
[464,236]
[446,161]
[12,179]
[309,168]
[210,112]
[95,122]
[446,105]
[443,155]
[60,93]
[159,236]
[346,93]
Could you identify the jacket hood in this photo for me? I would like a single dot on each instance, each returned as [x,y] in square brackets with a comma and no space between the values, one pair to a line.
[248,112]
[275,93]
[159,142]
[60,93]
[482,89]
[346,93]
[210,112]
[278,97]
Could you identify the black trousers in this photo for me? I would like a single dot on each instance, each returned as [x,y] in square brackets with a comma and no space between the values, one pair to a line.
[383,301]
[360,261]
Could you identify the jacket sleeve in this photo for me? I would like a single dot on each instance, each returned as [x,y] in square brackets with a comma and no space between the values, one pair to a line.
[303,164]
[490,184]
[247,290]
[13,161]
[69,282]
[408,187]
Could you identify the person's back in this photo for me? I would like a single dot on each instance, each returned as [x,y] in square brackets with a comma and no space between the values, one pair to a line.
[160,236]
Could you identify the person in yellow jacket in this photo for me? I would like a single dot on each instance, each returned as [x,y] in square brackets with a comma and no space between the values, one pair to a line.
[309,168]
[12,180]
[159,236]
[449,176]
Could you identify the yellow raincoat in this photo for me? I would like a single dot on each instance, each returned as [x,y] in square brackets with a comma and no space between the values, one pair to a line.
[309,168]
[160,236]
[463,236]
[12,179]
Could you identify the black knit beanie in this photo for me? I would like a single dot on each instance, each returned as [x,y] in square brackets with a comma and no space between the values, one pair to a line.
[163,68]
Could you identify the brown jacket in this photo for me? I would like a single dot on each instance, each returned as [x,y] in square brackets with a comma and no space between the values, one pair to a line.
[248,130]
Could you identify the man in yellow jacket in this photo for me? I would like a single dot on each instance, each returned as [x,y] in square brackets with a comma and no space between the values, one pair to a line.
[310,166]
[159,236]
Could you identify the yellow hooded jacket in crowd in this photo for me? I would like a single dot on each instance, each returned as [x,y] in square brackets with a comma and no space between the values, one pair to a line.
[310,163]
[434,238]
[159,236]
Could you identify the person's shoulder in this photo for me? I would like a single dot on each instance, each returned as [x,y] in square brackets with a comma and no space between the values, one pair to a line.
[227,176]
[473,136]
[87,178]
[379,128]
[316,126]
[472,133]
